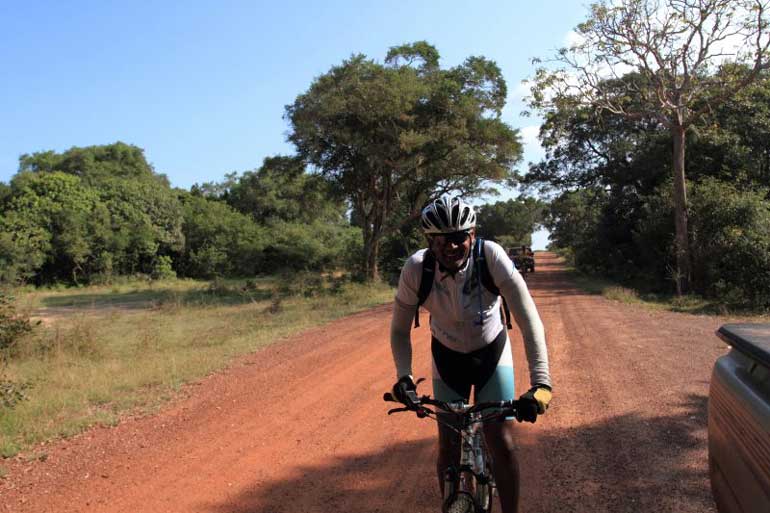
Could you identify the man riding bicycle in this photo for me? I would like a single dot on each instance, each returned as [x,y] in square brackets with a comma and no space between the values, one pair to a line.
[470,344]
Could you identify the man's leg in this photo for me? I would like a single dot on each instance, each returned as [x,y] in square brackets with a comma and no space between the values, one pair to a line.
[505,466]
[500,435]
[448,440]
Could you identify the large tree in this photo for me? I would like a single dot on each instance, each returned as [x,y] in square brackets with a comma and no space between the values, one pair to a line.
[663,56]
[402,132]
[90,211]
[282,190]
[510,222]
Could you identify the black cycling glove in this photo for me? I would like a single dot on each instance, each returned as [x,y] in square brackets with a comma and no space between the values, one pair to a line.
[400,389]
[535,401]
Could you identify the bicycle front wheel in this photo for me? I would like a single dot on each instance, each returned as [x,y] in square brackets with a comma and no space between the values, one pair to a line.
[462,503]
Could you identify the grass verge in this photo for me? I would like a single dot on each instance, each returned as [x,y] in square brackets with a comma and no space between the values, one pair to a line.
[108,351]
[691,304]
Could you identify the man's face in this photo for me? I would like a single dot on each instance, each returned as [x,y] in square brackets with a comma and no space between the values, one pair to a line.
[452,249]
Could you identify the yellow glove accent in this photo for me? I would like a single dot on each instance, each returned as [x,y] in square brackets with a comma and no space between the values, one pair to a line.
[543,397]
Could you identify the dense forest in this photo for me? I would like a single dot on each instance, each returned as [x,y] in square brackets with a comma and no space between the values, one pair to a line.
[613,207]
[656,138]
[90,214]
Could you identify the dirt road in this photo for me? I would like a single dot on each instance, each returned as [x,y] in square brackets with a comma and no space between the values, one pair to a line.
[300,426]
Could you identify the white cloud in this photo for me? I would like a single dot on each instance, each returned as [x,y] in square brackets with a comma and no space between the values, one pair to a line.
[572,38]
[529,134]
[521,90]
[532,149]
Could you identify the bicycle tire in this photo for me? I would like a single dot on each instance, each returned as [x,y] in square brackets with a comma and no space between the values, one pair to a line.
[463,503]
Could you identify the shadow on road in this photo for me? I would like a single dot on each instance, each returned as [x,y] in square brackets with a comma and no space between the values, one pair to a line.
[379,482]
[628,463]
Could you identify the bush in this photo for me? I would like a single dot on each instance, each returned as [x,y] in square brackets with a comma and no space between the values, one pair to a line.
[730,243]
[12,328]
[316,246]
[162,269]
[729,232]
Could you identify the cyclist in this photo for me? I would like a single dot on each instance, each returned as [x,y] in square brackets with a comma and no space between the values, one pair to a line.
[470,344]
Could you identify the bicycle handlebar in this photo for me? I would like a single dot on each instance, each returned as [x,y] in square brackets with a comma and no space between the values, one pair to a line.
[510,407]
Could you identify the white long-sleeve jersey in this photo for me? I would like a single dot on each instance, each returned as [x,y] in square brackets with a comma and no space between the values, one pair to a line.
[454,305]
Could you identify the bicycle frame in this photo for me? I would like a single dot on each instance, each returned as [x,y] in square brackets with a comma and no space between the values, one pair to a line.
[473,477]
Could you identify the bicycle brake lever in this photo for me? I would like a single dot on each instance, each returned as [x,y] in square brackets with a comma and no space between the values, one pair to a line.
[396,410]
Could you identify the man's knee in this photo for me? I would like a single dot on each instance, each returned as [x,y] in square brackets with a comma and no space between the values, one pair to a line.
[500,437]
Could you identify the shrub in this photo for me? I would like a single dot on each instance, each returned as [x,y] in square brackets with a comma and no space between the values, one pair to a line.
[12,328]
[729,232]
[162,269]
[730,242]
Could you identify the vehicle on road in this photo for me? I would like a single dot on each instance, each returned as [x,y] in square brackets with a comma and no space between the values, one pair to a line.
[523,258]
[739,421]
[470,487]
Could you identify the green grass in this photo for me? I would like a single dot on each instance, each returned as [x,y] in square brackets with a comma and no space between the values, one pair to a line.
[91,364]
[691,304]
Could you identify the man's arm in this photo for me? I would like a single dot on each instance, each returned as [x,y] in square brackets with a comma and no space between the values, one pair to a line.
[514,289]
[404,308]
[400,337]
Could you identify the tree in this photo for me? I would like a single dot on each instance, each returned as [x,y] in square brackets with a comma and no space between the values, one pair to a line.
[282,190]
[218,240]
[513,220]
[572,220]
[673,47]
[93,163]
[48,228]
[398,133]
[87,211]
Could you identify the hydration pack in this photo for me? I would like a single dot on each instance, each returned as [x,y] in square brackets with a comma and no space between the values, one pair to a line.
[480,271]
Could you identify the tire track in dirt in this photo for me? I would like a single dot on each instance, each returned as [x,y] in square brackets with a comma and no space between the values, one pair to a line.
[300,426]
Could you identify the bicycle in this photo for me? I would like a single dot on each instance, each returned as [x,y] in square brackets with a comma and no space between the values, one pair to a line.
[470,487]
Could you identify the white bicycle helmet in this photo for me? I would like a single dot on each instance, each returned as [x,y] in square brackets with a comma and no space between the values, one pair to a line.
[447,215]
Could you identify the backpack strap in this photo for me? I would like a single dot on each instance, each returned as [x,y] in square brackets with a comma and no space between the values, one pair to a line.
[488,282]
[426,282]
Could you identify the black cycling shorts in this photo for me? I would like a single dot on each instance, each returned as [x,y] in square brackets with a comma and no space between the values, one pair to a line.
[460,371]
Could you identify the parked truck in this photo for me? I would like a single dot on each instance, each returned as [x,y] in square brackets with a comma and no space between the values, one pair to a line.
[739,421]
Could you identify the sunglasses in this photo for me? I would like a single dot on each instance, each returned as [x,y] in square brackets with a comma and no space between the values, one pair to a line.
[457,238]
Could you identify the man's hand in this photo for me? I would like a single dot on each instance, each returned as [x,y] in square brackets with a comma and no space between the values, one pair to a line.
[401,389]
[534,402]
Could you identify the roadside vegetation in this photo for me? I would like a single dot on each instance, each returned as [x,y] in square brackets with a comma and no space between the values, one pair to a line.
[656,148]
[639,294]
[107,351]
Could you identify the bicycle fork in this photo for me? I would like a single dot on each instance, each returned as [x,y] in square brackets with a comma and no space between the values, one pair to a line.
[469,487]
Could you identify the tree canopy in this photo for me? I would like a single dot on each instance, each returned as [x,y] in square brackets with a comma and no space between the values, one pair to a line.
[659,60]
[614,207]
[510,222]
[89,214]
[403,132]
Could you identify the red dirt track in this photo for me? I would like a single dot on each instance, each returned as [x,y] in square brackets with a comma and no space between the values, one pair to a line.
[301,426]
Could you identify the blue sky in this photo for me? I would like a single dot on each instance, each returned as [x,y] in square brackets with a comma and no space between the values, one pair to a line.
[201,86]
